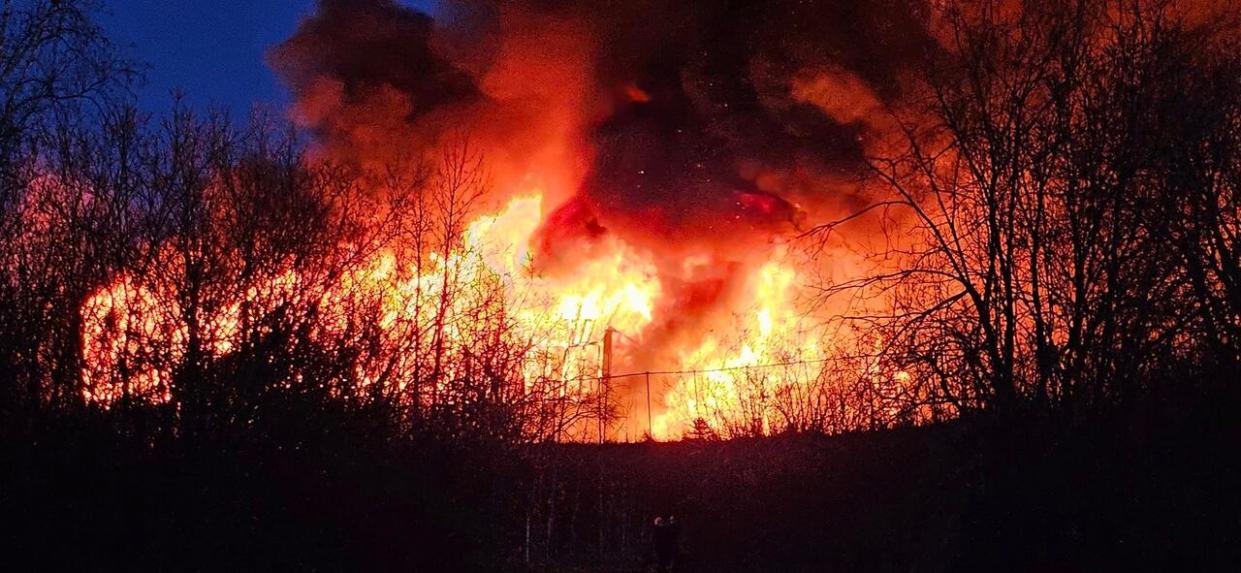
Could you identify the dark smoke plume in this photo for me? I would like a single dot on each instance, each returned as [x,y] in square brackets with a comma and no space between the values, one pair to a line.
[701,116]
[690,128]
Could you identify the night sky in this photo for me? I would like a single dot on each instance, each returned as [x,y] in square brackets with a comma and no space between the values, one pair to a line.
[214,50]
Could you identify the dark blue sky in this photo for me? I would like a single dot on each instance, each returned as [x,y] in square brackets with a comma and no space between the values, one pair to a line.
[213,49]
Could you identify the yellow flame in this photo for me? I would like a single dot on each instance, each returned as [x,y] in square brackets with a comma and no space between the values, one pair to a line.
[563,315]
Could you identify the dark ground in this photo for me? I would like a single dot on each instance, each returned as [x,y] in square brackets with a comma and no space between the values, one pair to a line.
[1155,496]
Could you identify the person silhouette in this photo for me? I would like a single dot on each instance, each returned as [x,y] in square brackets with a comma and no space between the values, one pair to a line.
[659,535]
[665,536]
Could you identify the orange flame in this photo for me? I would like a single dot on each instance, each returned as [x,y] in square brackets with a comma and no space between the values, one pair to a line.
[770,347]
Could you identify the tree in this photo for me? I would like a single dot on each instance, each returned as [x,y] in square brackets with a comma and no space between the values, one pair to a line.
[58,73]
[1038,195]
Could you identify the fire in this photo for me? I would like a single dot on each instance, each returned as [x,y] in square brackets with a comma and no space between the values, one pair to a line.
[118,320]
[563,315]
[769,347]
[648,188]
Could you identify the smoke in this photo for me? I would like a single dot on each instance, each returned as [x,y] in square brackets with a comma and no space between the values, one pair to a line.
[698,130]
[365,76]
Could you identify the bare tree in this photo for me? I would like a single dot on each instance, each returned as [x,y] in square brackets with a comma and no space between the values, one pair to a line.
[1039,273]
[54,61]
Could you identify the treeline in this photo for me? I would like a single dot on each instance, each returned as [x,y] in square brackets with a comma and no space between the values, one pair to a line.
[216,352]
[1066,207]
[207,273]
[1063,185]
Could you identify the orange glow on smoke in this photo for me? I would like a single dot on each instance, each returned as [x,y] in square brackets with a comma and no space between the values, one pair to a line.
[718,294]
[564,316]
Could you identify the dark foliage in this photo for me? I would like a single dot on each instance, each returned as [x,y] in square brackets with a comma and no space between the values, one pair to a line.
[1147,494]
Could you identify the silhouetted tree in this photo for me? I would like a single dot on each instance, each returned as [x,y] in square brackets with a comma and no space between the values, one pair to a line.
[1039,200]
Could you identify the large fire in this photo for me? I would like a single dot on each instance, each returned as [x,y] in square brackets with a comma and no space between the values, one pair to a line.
[565,318]
[640,249]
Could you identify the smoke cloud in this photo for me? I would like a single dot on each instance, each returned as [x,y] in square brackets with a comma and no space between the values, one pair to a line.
[695,129]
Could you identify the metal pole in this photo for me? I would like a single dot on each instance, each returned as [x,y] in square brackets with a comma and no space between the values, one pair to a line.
[650,430]
[606,383]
